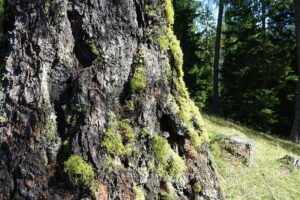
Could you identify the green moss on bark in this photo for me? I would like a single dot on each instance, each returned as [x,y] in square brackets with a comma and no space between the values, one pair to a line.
[81,173]
[119,139]
[173,164]
[139,79]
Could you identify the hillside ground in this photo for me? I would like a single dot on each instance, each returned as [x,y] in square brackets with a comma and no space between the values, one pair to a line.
[268,178]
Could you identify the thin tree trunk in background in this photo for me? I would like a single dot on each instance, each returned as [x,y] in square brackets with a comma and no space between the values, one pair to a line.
[296,126]
[266,126]
[263,12]
[217,58]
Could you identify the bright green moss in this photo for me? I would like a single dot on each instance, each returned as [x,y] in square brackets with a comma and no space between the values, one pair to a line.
[188,112]
[144,133]
[110,164]
[167,196]
[168,39]
[197,187]
[94,49]
[163,42]
[119,139]
[181,88]
[177,166]
[173,164]
[169,12]
[176,52]
[130,105]
[81,173]
[113,143]
[138,192]
[190,115]
[161,149]
[139,79]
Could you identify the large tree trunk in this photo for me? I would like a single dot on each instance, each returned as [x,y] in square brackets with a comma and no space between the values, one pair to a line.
[217,59]
[88,78]
[296,125]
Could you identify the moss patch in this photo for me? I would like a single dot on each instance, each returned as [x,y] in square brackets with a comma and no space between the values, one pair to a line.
[188,112]
[177,166]
[163,42]
[168,39]
[197,187]
[81,173]
[185,108]
[149,11]
[166,196]
[94,49]
[172,164]
[119,139]
[176,52]
[162,150]
[139,79]
[129,105]
[169,12]
[138,192]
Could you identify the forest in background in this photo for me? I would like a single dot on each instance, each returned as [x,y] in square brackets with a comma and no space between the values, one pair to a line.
[250,74]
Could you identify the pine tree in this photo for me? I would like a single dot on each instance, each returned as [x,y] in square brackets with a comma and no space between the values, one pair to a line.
[258,63]
[194,27]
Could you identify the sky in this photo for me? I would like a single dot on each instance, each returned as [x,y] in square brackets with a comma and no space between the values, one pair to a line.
[212,5]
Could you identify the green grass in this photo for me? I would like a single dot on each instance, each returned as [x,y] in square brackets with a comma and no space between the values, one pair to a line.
[268,178]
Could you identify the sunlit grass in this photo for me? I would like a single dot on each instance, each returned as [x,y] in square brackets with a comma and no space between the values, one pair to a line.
[268,178]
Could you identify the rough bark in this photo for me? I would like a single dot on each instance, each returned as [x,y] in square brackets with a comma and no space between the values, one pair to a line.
[217,58]
[296,125]
[69,84]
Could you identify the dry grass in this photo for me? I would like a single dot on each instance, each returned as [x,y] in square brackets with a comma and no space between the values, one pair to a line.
[268,178]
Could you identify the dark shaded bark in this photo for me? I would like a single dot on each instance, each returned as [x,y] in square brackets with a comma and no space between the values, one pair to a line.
[296,125]
[69,72]
[217,58]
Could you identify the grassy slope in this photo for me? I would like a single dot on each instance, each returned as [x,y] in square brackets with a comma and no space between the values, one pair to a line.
[268,178]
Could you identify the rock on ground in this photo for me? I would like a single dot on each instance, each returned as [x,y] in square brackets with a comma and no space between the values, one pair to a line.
[242,148]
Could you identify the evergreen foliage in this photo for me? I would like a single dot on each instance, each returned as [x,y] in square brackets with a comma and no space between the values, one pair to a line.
[258,75]
[194,27]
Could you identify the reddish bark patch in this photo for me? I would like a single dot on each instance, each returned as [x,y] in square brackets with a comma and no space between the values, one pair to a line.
[103,193]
